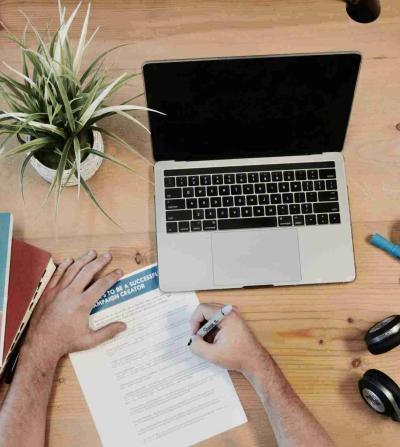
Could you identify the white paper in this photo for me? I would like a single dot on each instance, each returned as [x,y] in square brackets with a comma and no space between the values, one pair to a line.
[145,387]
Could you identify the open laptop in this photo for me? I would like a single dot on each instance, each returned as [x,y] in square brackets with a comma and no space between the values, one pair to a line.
[250,185]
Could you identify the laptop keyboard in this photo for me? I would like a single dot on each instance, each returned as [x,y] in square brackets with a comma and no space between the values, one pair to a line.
[242,197]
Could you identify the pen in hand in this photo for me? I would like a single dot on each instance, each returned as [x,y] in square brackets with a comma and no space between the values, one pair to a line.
[213,322]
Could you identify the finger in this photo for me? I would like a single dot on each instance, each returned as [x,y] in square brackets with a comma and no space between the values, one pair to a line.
[59,273]
[203,312]
[87,273]
[203,349]
[76,267]
[100,287]
[106,333]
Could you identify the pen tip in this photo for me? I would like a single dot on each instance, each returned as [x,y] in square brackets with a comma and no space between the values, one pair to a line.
[190,342]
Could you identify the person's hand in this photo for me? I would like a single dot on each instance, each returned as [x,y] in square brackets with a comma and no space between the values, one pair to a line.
[234,346]
[60,323]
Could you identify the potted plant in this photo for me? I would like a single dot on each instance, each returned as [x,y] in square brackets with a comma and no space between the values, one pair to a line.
[55,108]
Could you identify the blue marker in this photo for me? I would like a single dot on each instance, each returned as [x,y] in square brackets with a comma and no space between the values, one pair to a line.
[380,242]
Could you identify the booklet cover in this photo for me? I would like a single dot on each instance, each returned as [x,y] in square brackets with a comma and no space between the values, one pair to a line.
[145,387]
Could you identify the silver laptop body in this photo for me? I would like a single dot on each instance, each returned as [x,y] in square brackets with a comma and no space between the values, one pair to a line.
[271,220]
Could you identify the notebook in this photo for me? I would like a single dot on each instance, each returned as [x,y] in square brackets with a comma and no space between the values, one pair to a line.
[24,274]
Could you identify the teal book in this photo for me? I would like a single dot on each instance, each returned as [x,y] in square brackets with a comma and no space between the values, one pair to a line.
[6,224]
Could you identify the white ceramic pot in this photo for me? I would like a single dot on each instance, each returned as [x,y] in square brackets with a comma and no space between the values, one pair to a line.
[88,167]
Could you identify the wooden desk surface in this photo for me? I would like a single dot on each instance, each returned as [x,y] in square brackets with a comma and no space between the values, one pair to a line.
[315,333]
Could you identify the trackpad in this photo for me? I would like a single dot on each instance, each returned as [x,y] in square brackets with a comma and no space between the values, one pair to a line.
[256,257]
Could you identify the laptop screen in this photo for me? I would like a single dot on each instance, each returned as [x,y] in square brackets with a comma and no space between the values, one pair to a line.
[250,106]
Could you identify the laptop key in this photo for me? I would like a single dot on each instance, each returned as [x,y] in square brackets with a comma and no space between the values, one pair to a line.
[227,201]
[283,209]
[327,173]
[311,197]
[272,187]
[191,203]
[263,199]
[188,192]
[307,186]
[301,175]
[306,208]
[210,213]
[310,219]
[258,211]
[276,198]
[172,227]
[299,197]
[334,218]
[234,212]
[175,204]
[240,200]
[312,174]
[285,221]
[223,190]
[265,177]
[260,188]
[298,220]
[246,211]
[204,202]
[193,180]
[295,186]
[322,219]
[198,214]
[229,178]
[331,184]
[217,179]
[215,202]
[169,182]
[251,200]
[222,213]
[253,177]
[284,187]
[319,185]
[294,208]
[195,225]
[288,175]
[178,215]
[236,190]
[183,227]
[287,198]
[328,196]
[173,193]
[205,180]
[241,178]
[276,176]
[212,191]
[248,189]
[326,207]
[209,225]
[181,181]
[255,222]
[199,191]
[270,210]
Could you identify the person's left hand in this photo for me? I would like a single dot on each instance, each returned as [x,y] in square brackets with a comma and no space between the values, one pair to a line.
[60,323]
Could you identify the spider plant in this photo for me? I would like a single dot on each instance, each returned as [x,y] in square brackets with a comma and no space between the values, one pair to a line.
[54,106]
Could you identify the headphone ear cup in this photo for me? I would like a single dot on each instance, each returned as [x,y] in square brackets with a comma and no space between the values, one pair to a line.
[383,336]
[380,393]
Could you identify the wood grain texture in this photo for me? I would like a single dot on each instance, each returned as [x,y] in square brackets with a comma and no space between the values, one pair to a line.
[314,332]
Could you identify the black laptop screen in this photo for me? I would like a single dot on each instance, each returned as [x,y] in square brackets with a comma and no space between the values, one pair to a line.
[249,107]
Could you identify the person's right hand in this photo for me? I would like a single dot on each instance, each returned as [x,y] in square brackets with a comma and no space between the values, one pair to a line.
[234,347]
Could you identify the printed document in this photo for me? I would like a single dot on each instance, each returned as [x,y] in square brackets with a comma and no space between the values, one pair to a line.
[145,387]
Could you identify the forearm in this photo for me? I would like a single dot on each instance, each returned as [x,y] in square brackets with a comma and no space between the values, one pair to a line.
[23,414]
[291,421]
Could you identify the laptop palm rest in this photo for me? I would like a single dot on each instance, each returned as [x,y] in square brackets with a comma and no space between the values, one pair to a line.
[253,257]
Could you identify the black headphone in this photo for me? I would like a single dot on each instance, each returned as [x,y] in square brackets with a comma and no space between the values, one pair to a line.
[377,389]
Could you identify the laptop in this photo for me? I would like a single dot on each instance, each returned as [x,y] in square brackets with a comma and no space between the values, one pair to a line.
[250,185]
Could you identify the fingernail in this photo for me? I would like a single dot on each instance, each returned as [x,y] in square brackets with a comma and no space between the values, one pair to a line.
[106,256]
[122,326]
[190,342]
[90,253]
[68,259]
[119,272]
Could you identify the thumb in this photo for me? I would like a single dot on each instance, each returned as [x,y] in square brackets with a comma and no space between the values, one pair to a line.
[203,349]
[106,333]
